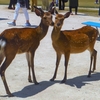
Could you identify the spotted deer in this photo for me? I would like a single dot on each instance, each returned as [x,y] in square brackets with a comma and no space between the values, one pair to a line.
[72,41]
[23,40]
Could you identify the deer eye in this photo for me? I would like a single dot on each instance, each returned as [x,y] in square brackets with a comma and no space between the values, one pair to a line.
[55,17]
[61,19]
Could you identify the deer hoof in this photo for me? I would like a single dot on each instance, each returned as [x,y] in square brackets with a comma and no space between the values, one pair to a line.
[63,81]
[92,71]
[30,81]
[10,95]
[52,79]
[89,76]
[36,83]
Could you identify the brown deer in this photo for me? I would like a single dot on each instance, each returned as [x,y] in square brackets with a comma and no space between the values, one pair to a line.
[20,40]
[72,41]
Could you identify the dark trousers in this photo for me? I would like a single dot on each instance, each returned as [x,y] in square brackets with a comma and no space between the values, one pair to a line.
[70,9]
[28,4]
[61,4]
[12,3]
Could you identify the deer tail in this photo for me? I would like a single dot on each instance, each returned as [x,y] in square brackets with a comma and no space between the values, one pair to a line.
[2,46]
[2,43]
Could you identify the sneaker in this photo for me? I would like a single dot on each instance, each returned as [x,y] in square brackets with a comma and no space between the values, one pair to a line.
[27,24]
[12,23]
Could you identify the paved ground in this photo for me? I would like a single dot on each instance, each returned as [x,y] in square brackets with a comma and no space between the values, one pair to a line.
[77,87]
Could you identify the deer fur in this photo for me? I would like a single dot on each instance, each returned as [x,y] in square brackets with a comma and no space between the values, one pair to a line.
[72,41]
[23,40]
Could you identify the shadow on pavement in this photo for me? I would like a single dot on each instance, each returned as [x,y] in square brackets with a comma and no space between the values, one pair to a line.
[3,18]
[79,81]
[83,80]
[33,89]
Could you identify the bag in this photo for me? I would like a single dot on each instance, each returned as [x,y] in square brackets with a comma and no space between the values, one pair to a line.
[65,0]
[22,3]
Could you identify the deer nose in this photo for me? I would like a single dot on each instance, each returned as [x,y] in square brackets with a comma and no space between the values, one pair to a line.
[58,24]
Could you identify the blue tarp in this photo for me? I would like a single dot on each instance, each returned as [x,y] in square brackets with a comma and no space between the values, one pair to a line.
[90,23]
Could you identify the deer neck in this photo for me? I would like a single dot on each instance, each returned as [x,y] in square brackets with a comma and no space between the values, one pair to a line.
[42,30]
[55,33]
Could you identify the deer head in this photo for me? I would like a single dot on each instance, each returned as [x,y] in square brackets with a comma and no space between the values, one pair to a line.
[60,18]
[45,16]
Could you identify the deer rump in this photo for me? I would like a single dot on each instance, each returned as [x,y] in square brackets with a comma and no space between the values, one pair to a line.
[80,40]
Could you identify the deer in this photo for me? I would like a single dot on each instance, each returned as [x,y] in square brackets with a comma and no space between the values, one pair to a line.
[75,41]
[23,40]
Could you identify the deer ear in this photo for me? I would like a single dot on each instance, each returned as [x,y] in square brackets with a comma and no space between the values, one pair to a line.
[53,10]
[67,15]
[56,11]
[38,11]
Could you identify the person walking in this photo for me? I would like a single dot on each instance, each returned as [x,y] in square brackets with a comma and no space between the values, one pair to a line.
[20,4]
[73,4]
[12,4]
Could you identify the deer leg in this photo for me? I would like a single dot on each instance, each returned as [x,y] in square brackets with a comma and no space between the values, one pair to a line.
[29,66]
[5,84]
[95,58]
[91,59]
[1,57]
[32,67]
[66,64]
[57,64]
[6,63]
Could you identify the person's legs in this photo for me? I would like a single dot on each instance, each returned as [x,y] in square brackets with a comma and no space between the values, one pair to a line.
[75,10]
[56,2]
[59,4]
[26,16]
[35,2]
[28,4]
[10,5]
[70,9]
[63,5]
[15,15]
[14,3]
[16,12]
